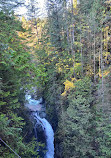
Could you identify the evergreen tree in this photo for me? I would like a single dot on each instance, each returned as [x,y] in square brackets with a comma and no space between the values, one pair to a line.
[14,74]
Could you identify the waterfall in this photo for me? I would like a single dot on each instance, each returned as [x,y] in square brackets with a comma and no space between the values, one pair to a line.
[49,135]
[34,105]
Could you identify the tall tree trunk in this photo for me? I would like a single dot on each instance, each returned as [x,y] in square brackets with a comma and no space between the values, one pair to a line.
[99,63]
[102,66]
[67,39]
[36,31]
[90,47]
[67,30]
[73,39]
[94,49]
[81,49]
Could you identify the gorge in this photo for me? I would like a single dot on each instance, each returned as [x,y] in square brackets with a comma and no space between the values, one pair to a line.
[66,59]
[35,106]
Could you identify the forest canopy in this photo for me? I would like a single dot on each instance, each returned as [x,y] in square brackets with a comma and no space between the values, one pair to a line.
[67,56]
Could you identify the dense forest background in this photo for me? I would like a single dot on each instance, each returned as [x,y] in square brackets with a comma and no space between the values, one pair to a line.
[67,56]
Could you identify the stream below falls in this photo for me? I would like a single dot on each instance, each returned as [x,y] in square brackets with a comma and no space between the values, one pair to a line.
[35,106]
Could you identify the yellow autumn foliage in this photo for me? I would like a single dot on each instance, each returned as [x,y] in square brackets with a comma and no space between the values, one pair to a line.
[75,4]
[105,73]
[73,79]
[59,69]
[107,57]
[63,94]
[68,86]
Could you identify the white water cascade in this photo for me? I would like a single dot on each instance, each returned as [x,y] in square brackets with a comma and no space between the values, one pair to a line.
[34,105]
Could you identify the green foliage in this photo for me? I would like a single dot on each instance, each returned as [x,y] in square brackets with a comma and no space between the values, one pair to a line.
[83,87]
[80,131]
[62,54]
[104,135]
[77,126]
[78,139]
[15,68]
